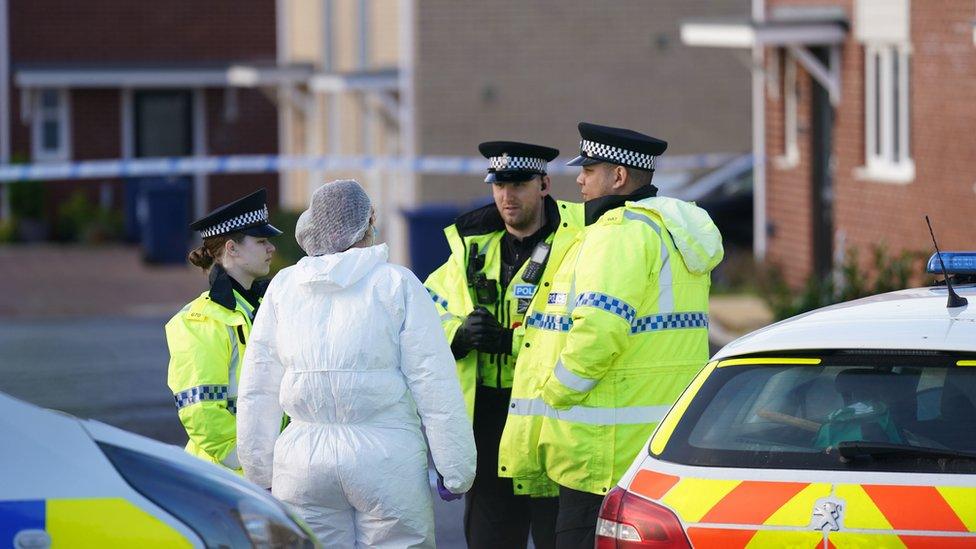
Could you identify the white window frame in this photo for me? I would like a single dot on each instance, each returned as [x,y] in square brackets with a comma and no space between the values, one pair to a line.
[791,149]
[882,162]
[60,114]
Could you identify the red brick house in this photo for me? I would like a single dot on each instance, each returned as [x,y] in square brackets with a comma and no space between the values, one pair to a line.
[866,125]
[122,79]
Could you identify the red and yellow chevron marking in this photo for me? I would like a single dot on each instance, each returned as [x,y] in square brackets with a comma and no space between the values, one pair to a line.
[752,502]
[901,505]
[730,513]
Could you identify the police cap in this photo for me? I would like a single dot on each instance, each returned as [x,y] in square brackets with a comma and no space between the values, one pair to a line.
[617,146]
[248,215]
[510,161]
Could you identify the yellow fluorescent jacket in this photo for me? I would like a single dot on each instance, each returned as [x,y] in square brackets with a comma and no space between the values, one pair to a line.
[206,345]
[609,349]
[448,287]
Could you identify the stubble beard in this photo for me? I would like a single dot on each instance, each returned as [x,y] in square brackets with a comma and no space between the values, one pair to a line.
[523,221]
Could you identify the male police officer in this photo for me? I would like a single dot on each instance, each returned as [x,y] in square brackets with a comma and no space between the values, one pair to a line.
[499,255]
[621,332]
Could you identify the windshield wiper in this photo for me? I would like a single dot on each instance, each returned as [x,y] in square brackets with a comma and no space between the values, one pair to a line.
[861,449]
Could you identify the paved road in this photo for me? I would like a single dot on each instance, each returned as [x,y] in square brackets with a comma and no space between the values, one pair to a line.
[114,370]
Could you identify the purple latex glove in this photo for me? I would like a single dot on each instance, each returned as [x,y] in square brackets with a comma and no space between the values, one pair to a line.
[443,492]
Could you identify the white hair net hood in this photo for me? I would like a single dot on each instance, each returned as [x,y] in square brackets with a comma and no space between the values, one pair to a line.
[336,219]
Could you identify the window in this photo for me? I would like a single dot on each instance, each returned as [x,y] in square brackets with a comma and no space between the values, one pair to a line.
[886,113]
[798,417]
[50,132]
[791,151]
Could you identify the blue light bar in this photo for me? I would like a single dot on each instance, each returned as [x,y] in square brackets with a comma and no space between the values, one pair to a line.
[955,263]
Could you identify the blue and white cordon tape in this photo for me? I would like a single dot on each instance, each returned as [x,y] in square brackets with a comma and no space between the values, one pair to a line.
[439,165]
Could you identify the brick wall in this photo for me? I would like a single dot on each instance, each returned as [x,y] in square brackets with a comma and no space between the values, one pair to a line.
[530,71]
[868,212]
[789,190]
[98,109]
[253,131]
[166,33]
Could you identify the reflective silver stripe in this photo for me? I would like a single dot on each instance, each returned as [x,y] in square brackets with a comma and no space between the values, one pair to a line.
[231,461]
[248,311]
[629,214]
[234,359]
[447,316]
[571,294]
[631,415]
[665,281]
[572,380]
[665,298]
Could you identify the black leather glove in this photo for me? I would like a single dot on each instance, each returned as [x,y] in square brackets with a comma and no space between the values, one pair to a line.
[487,334]
[463,342]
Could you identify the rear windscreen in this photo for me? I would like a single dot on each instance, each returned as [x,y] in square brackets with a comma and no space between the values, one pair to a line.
[795,416]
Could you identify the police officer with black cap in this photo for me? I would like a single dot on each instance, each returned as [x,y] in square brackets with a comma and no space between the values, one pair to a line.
[208,336]
[634,330]
[498,265]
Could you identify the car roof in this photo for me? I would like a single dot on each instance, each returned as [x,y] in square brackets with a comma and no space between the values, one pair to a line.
[54,431]
[916,318]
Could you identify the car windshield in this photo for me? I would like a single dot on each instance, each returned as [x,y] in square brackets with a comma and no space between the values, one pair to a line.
[856,410]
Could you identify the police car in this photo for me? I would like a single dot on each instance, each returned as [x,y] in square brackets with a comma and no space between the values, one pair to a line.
[849,426]
[66,482]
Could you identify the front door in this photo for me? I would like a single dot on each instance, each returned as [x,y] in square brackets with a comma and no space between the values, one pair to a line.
[163,123]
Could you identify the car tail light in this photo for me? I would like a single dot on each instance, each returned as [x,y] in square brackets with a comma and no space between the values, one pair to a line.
[627,521]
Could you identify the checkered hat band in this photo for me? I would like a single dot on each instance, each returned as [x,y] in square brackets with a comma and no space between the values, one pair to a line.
[616,155]
[512,163]
[237,223]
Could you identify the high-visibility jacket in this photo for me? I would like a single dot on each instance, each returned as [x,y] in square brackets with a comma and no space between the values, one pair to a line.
[620,334]
[448,287]
[206,344]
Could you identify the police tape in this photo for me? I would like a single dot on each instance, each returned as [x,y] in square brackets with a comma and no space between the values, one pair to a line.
[427,165]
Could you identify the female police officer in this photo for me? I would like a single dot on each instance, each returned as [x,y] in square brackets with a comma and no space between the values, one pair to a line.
[207,337]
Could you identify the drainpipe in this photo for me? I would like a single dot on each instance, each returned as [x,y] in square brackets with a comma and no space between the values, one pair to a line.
[285,145]
[758,139]
[407,195]
[4,108]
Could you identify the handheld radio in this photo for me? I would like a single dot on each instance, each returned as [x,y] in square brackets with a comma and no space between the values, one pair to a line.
[537,263]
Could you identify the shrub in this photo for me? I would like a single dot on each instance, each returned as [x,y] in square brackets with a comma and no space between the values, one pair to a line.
[80,220]
[8,231]
[885,274]
[27,199]
[737,273]
[288,251]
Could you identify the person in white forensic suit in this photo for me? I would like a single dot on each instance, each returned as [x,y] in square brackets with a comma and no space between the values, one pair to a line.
[350,347]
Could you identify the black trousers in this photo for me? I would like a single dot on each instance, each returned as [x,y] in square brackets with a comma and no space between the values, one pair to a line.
[576,522]
[494,517]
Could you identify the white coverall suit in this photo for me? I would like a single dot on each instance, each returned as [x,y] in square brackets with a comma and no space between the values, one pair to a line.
[350,347]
